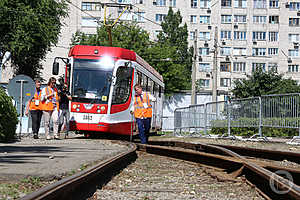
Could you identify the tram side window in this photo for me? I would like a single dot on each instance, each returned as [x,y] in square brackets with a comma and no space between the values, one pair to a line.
[155,89]
[122,87]
[160,91]
[144,82]
[139,77]
[150,86]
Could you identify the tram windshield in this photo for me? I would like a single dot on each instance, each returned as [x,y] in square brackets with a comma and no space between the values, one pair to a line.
[91,80]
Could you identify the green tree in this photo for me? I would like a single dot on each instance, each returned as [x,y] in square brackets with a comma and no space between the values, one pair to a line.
[173,45]
[28,29]
[124,34]
[264,83]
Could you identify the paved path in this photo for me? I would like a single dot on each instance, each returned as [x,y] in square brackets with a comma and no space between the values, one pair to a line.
[48,158]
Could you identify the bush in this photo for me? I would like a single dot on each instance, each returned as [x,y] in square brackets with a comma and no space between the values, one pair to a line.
[8,117]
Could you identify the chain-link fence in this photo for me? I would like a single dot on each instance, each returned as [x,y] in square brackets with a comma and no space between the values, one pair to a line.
[276,111]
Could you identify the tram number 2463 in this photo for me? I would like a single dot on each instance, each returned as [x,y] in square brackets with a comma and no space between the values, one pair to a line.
[87,117]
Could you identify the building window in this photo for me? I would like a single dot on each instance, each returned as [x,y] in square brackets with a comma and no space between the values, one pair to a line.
[274,4]
[225,67]
[226,3]
[294,52]
[274,19]
[273,36]
[226,19]
[239,35]
[259,4]
[293,68]
[193,19]
[161,3]
[226,35]
[160,17]
[204,67]
[194,3]
[204,35]
[139,16]
[239,51]
[259,35]
[272,67]
[204,19]
[203,51]
[294,6]
[204,82]
[89,6]
[225,82]
[240,3]
[86,6]
[256,66]
[293,21]
[259,19]
[293,37]
[225,51]
[239,66]
[173,3]
[205,3]
[240,18]
[273,51]
[192,35]
[258,51]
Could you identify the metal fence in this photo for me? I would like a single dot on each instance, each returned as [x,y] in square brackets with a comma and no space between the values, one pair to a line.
[277,111]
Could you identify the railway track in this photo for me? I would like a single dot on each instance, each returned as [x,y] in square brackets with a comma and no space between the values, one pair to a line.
[272,181]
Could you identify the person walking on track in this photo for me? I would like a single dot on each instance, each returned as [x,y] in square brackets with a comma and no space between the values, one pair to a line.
[34,106]
[142,111]
[65,97]
[50,107]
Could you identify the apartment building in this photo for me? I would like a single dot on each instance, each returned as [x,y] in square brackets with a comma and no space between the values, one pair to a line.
[233,37]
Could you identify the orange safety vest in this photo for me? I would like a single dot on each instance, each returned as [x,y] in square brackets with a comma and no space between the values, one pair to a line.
[48,103]
[139,110]
[35,102]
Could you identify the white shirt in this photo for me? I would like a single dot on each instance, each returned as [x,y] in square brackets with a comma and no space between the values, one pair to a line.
[44,94]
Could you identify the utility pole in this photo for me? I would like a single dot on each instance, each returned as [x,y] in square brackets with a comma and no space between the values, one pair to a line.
[193,100]
[215,68]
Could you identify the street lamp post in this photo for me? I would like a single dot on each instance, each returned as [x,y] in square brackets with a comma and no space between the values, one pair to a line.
[193,98]
[215,68]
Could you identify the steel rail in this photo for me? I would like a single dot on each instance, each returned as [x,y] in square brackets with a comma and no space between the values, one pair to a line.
[80,185]
[243,151]
[269,184]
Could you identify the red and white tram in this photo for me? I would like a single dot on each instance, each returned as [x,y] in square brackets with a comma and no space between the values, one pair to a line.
[101,81]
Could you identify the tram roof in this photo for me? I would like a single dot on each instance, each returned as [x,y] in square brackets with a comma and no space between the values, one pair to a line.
[85,51]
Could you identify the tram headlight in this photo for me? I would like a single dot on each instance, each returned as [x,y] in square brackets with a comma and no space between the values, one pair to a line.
[77,109]
[107,61]
[74,106]
[98,111]
[102,108]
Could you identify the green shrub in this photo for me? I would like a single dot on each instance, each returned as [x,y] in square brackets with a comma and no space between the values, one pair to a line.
[8,117]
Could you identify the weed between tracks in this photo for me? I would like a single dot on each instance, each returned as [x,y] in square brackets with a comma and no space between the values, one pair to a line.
[17,190]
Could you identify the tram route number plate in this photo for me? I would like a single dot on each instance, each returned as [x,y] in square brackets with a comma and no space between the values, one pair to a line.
[87,117]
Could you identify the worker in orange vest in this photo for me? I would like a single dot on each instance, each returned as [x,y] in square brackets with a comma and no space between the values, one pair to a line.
[34,106]
[142,111]
[50,107]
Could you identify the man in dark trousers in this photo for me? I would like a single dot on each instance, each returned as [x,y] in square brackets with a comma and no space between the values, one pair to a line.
[34,106]
[142,111]
[64,118]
